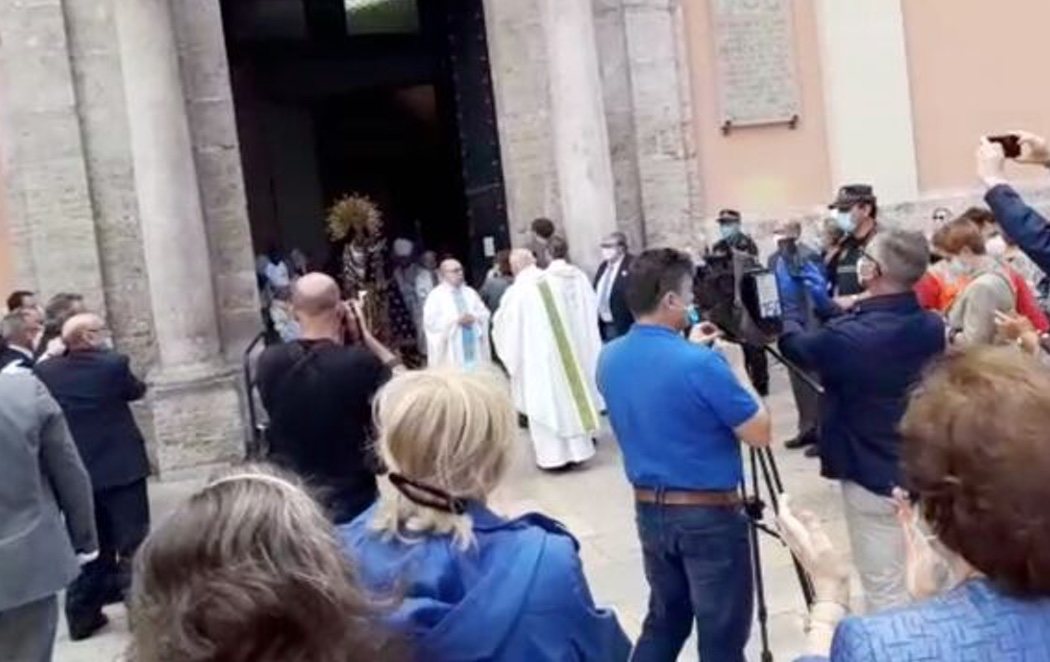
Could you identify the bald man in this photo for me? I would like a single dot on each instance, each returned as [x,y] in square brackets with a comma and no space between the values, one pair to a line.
[456,322]
[318,392]
[551,369]
[94,385]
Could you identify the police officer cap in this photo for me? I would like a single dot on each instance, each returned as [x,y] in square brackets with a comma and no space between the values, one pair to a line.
[851,194]
[729,216]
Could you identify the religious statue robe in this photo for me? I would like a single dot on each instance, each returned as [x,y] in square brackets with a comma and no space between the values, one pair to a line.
[448,341]
[546,335]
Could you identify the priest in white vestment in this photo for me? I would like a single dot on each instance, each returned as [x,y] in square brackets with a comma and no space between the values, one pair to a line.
[542,333]
[456,321]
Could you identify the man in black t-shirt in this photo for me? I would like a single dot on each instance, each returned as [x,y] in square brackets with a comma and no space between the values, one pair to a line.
[318,392]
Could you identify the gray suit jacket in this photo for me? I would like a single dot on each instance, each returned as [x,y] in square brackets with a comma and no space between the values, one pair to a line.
[41,479]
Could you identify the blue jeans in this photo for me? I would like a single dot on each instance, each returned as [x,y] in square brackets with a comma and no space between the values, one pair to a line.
[698,564]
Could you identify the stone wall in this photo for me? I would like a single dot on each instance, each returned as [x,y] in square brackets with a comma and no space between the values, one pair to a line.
[43,161]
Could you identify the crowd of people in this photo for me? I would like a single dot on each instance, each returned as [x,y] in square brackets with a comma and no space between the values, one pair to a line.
[370,533]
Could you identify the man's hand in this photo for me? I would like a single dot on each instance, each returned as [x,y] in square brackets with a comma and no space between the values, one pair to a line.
[1033,149]
[809,542]
[356,318]
[991,163]
[704,333]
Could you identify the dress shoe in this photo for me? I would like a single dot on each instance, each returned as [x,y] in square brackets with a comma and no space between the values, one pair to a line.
[84,627]
[801,441]
[812,451]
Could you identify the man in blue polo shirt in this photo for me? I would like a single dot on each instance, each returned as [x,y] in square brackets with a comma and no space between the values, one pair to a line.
[680,411]
[868,361]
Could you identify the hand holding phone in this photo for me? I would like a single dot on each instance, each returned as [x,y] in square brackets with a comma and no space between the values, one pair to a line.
[1011,143]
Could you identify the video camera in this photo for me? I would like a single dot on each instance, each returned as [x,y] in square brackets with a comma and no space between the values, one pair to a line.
[740,296]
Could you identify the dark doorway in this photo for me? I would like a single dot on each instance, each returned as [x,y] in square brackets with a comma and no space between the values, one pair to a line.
[391,99]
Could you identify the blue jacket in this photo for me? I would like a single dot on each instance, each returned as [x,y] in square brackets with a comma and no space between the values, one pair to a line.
[868,360]
[518,593]
[1024,225]
[971,622]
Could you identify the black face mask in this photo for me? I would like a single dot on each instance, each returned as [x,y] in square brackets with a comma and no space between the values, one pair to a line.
[428,496]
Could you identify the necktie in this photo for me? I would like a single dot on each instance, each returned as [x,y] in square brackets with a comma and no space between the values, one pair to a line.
[604,289]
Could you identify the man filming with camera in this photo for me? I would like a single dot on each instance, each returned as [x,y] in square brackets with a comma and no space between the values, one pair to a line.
[318,393]
[680,412]
[867,360]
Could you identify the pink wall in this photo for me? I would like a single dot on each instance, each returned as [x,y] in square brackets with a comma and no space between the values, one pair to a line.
[975,67]
[759,169]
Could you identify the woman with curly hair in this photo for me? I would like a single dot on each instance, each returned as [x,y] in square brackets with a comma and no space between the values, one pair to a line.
[981,479]
[248,569]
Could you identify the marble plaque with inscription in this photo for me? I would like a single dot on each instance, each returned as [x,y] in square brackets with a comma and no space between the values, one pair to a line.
[755,61]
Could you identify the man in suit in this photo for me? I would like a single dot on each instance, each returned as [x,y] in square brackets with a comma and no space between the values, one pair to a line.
[46,519]
[94,385]
[19,331]
[614,317]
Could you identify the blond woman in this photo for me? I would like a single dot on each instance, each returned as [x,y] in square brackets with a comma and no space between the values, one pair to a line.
[473,585]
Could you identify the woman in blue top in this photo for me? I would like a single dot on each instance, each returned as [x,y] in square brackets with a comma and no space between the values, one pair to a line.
[473,586]
[977,454]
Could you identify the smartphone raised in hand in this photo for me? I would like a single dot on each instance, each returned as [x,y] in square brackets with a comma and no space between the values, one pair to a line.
[1011,143]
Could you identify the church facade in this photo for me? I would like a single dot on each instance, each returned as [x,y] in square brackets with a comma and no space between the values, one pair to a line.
[121,169]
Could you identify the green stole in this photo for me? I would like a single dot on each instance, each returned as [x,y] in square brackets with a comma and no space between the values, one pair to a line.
[577,386]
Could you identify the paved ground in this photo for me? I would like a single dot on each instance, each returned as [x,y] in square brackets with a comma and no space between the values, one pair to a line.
[596,505]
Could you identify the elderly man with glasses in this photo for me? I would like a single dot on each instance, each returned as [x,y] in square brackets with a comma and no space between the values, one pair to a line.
[868,360]
[94,385]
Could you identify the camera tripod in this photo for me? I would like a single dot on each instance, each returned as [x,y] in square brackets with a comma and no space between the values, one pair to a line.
[763,462]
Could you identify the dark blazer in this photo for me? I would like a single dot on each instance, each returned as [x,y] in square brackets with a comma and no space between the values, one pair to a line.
[1021,223]
[868,361]
[94,388]
[46,510]
[11,357]
[621,314]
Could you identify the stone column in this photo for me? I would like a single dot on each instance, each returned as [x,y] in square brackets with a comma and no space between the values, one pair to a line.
[47,195]
[619,118]
[662,107]
[581,141]
[195,400]
[213,130]
[518,53]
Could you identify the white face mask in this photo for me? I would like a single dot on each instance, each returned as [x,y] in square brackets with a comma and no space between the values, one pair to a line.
[609,254]
[996,246]
[844,219]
